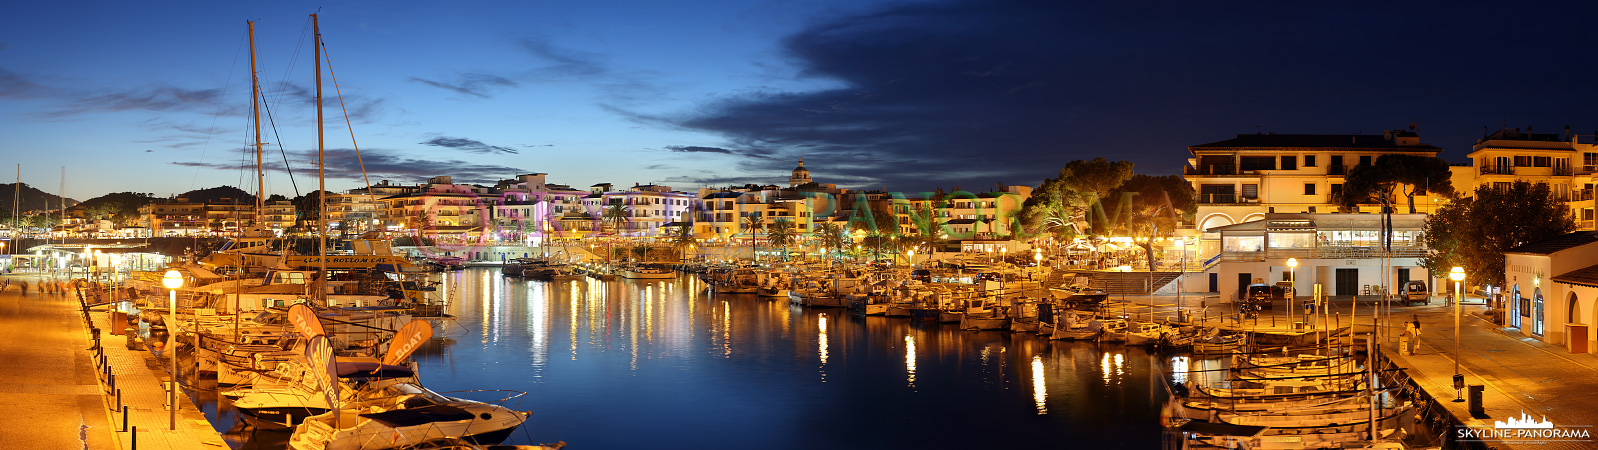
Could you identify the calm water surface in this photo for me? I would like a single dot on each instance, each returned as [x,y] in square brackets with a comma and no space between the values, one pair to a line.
[633,364]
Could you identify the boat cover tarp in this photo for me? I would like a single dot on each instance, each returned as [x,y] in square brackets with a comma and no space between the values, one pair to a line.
[420,416]
[347,369]
[1205,427]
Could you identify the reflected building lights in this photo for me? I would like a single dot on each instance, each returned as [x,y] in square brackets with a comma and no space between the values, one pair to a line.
[538,321]
[910,359]
[1040,393]
[726,329]
[822,342]
[1104,368]
[574,313]
[1179,369]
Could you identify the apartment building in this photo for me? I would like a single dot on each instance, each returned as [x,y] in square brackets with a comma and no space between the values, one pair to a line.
[1244,178]
[177,217]
[1557,160]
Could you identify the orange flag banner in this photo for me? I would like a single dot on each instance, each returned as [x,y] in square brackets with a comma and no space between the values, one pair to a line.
[409,337]
[305,322]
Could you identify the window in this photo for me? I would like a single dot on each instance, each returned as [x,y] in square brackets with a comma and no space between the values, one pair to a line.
[1365,160]
[1257,163]
[1589,159]
[1586,214]
[1309,188]
[1312,210]
[1501,185]
[1523,161]
[1251,191]
[1539,161]
[1309,160]
[1335,189]
[1289,162]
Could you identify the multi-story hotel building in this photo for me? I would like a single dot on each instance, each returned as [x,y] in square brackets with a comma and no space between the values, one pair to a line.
[1242,179]
[1566,166]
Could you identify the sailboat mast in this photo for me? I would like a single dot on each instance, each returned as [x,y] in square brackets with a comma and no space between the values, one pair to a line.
[255,106]
[321,167]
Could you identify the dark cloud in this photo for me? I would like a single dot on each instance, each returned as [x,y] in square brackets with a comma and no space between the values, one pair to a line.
[697,149]
[975,92]
[472,84]
[15,86]
[470,145]
[342,164]
[563,63]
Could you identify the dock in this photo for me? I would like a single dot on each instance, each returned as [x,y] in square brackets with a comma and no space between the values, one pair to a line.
[64,389]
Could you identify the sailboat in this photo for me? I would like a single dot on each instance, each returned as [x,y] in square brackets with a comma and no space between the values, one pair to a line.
[408,414]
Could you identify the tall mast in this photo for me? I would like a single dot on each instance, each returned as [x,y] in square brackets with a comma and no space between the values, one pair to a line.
[255,105]
[321,167]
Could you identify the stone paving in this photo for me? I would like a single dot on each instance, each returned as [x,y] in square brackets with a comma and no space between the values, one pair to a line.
[1520,375]
[57,333]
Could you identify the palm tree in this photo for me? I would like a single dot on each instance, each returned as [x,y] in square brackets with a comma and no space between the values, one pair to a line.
[781,235]
[831,236]
[684,237]
[752,223]
[616,216]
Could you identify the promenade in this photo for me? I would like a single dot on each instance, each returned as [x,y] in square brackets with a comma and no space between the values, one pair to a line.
[57,394]
[1520,375]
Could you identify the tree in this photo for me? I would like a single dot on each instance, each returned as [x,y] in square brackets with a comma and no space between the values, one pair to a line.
[832,237]
[683,238]
[1475,232]
[1391,175]
[781,234]
[1157,204]
[1063,201]
[616,216]
[753,223]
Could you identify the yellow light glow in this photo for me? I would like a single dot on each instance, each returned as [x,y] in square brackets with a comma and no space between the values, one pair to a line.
[1292,262]
[1040,393]
[910,359]
[172,279]
[1457,274]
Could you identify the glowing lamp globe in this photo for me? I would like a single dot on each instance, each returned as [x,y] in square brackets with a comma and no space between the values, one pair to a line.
[172,279]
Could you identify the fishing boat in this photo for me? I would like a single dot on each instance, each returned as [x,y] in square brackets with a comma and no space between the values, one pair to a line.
[644,271]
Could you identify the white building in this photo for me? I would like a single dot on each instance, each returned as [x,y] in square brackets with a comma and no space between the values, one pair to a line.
[1551,284]
[1342,252]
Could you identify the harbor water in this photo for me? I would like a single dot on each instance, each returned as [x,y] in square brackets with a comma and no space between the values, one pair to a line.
[636,364]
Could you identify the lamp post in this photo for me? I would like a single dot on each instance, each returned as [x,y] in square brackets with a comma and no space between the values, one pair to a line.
[172,280]
[1292,284]
[1458,275]
[911,254]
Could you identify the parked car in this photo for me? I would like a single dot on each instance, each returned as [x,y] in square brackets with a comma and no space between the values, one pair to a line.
[1262,295]
[1416,291]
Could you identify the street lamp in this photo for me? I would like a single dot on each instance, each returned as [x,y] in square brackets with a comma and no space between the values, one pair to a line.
[912,256]
[1458,275]
[1292,284]
[172,280]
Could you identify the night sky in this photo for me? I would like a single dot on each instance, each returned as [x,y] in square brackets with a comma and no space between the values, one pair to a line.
[908,96]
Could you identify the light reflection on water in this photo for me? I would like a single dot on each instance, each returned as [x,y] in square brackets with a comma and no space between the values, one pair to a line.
[665,363]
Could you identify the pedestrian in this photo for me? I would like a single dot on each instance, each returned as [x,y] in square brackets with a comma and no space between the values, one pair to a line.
[24,285]
[1414,328]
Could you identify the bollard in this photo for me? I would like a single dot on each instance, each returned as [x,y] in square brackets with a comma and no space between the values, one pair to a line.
[135,438]
[113,381]
[120,408]
[125,421]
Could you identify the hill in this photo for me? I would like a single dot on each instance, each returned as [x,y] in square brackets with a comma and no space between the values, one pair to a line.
[209,195]
[32,199]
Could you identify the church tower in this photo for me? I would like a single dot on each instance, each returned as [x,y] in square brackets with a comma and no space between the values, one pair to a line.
[800,175]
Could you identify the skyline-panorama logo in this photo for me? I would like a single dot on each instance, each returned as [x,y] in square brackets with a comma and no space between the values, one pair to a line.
[1525,430]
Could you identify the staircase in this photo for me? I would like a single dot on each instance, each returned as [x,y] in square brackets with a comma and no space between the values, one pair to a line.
[1113,282]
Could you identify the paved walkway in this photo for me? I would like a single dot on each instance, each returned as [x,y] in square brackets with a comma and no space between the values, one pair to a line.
[42,337]
[1520,374]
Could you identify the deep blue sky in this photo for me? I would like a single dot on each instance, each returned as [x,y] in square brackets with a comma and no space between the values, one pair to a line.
[909,96]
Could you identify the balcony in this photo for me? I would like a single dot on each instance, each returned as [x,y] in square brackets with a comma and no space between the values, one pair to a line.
[1212,169]
[1562,171]
[1337,170]
[1226,199]
[1497,170]
[1325,252]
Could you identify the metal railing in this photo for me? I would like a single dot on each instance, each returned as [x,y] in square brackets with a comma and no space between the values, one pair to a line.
[1326,252]
[1213,169]
[1497,170]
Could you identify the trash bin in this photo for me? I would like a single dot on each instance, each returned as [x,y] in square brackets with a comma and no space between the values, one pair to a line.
[1474,399]
[1404,347]
[1298,325]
